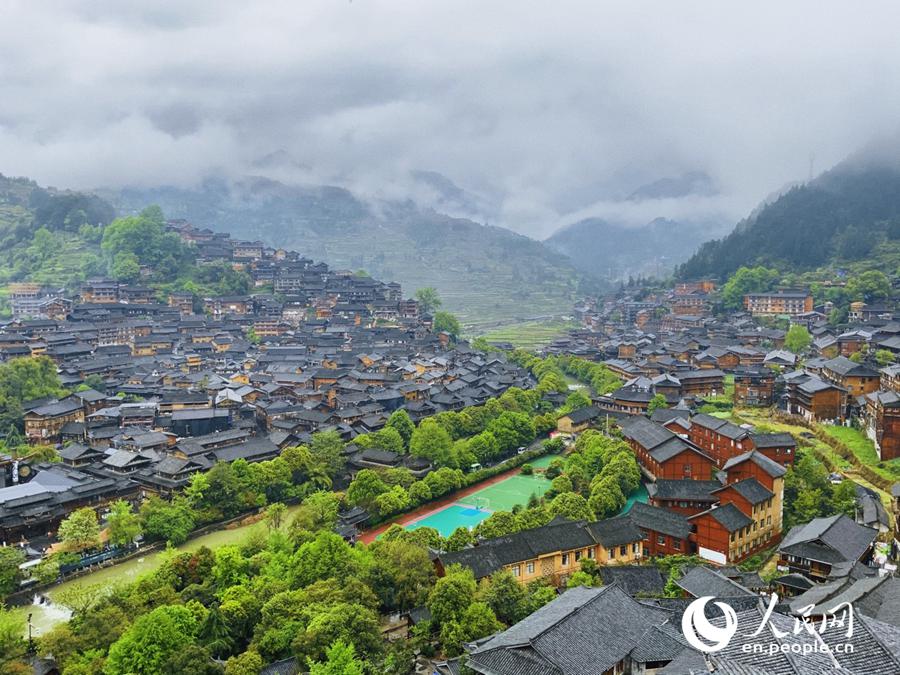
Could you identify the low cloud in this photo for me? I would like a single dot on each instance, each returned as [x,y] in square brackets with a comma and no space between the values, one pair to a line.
[542,114]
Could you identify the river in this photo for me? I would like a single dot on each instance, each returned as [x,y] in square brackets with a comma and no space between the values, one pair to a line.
[45,614]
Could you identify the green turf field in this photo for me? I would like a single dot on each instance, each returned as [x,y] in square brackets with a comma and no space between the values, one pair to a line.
[514,490]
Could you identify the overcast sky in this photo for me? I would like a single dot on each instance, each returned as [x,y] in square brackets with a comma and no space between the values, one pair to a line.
[548,111]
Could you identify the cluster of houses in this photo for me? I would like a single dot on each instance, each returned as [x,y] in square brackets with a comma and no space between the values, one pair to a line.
[715,490]
[235,378]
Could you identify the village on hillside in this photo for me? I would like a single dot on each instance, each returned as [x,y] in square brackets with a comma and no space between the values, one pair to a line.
[726,450]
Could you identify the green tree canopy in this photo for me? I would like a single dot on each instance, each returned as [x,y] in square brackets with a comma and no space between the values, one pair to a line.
[748,280]
[80,530]
[445,322]
[428,299]
[797,338]
[124,524]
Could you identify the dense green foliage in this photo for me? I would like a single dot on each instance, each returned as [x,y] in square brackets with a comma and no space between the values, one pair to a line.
[844,215]
[22,380]
[551,372]
[808,494]
[47,235]
[288,591]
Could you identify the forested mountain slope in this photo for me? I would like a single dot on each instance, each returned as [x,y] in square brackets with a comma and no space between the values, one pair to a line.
[847,214]
[483,273]
[49,235]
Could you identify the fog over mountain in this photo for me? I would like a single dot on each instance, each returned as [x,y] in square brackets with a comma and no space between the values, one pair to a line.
[529,118]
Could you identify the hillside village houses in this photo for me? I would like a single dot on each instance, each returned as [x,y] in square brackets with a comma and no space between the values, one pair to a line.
[185,387]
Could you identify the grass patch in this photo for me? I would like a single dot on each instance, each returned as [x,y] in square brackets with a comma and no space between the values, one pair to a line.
[854,439]
[864,450]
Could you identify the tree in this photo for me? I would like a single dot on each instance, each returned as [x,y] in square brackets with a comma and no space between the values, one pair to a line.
[169,521]
[340,659]
[400,573]
[326,448]
[428,300]
[400,421]
[451,595]
[843,498]
[365,489]
[747,280]
[12,645]
[349,622]
[884,357]
[125,267]
[123,523]
[431,441]
[10,574]
[25,379]
[319,511]
[658,401]
[445,322]
[248,663]
[95,382]
[797,338]
[606,498]
[505,596]
[477,621]
[869,285]
[580,578]
[577,399]
[215,635]
[570,505]
[80,530]
[459,539]
[151,640]
[192,659]
[327,556]
[275,515]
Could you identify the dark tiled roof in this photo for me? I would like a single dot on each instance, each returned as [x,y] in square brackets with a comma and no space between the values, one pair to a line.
[752,490]
[770,466]
[701,581]
[634,579]
[659,520]
[689,490]
[830,540]
[728,516]
[585,630]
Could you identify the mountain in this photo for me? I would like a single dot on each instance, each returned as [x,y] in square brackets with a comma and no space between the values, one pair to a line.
[847,214]
[613,251]
[49,235]
[484,274]
[696,183]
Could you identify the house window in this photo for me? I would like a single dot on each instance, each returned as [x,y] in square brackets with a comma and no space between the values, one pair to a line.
[577,556]
[732,537]
[634,548]
[623,550]
[565,559]
[687,469]
[676,544]
[612,553]
[768,520]
[661,539]
[517,570]
[529,568]
[590,553]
